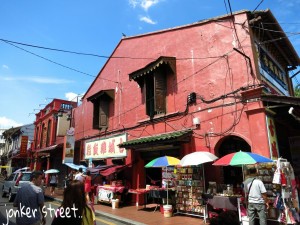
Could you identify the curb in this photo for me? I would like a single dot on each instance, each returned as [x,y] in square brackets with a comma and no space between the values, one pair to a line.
[107,215]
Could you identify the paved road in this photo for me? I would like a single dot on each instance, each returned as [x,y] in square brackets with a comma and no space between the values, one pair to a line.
[7,207]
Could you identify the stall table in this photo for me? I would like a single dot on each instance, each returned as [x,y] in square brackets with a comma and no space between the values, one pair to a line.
[226,202]
[106,193]
[139,192]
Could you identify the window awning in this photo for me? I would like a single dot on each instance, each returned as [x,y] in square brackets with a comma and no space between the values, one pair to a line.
[109,92]
[114,169]
[50,148]
[163,60]
[177,136]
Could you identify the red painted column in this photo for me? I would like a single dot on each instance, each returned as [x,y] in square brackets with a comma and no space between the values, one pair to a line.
[256,114]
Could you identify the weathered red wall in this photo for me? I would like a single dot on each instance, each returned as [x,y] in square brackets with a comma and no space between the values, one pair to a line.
[200,68]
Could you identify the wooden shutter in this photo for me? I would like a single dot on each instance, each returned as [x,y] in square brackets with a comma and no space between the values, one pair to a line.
[96,114]
[160,86]
[149,96]
[103,112]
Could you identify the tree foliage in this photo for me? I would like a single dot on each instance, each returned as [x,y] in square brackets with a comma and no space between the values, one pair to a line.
[297,91]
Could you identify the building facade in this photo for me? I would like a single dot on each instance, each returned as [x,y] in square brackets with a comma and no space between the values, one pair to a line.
[50,129]
[219,85]
[17,147]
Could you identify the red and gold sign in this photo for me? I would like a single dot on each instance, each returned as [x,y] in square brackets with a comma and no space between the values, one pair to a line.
[272,138]
[24,144]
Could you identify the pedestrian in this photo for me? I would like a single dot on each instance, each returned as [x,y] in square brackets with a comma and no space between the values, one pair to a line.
[4,173]
[88,185]
[79,176]
[71,176]
[74,198]
[30,199]
[53,183]
[257,197]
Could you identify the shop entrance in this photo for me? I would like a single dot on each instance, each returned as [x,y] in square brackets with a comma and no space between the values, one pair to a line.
[230,144]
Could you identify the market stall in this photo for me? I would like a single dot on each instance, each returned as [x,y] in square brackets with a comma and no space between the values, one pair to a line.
[139,192]
[243,159]
[191,184]
[282,192]
[105,193]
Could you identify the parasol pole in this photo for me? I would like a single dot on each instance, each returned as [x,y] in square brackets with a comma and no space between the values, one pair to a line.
[167,185]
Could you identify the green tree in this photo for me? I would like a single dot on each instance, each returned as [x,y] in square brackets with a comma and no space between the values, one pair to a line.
[297,91]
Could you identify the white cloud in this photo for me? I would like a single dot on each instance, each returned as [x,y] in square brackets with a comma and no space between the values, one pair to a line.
[41,80]
[133,3]
[145,4]
[73,96]
[147,20]
[5,67]
[8,123]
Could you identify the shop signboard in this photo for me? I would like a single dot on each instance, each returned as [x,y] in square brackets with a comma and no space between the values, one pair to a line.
[24,145]
[69,143]
[273,143]
[105,148]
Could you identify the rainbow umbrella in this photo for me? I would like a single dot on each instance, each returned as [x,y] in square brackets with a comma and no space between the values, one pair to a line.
[164,161]
[241,158]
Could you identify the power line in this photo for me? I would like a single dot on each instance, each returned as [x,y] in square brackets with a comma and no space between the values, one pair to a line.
[59,64]
[257,6]
[95,55]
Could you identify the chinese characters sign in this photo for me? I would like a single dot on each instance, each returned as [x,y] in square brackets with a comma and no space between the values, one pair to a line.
[105,148]
[272,138]
[24,144]
[271,71]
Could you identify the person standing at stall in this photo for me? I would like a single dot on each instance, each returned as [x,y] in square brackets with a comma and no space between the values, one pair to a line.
[257,198]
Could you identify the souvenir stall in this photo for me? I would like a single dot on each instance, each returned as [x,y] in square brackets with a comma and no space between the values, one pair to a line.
[111,187]
[164,194]
[189,191]
[228,198]
[190,187]
[107,192]
[279,180]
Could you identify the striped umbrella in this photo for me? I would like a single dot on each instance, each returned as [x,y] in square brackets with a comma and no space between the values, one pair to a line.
[241,158]
[163,162]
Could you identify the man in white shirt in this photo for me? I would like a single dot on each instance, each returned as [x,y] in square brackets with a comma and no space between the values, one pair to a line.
[257,198]
[79,176]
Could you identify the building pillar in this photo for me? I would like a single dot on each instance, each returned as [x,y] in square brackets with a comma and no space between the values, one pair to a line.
[257,121]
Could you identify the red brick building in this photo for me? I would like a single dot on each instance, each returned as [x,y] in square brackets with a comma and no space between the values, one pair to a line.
[219,85]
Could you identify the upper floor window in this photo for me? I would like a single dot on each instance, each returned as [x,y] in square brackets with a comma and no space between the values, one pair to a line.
[101,108]
[153,80]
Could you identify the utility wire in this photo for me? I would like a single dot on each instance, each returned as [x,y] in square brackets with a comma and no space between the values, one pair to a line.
[59,64]
[257,6]
[95,55]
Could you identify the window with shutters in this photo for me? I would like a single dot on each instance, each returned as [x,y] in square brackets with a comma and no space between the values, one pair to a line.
[153,81]
[155,94]
[101,104]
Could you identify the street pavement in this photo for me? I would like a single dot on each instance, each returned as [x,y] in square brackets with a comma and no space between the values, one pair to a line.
[131,214]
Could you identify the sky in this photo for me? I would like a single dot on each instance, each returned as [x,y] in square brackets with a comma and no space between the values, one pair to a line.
[31,77]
